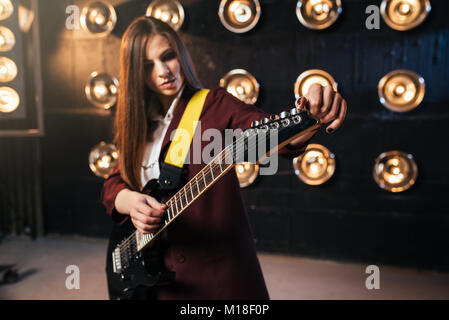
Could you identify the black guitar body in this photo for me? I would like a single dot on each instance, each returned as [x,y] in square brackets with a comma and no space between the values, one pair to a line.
[145,268]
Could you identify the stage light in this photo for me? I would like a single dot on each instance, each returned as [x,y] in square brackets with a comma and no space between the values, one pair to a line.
[309,77]
[102,159]
[318,14]
[239,16]
[7,39]
[395,171]
[9,100]
[404,14]
[8,69]
[98,18]
[401,90]
[101,89]
[315,166]
[6,9]
[241,84]
[169,11]
[246,173]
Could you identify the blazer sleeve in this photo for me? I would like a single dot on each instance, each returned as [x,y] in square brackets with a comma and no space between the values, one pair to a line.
[111,187]
[240,115]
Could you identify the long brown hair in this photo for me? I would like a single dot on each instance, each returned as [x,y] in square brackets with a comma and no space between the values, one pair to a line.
[136,101]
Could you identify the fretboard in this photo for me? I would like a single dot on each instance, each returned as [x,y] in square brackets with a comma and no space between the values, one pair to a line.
[205,178]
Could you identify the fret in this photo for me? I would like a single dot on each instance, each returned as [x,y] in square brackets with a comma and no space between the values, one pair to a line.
[191,190]
[204,178]
[219,164]
[180,200]
[212,172]
[176,204]
[228,158]
[197,185]
[168,213]
[185,193]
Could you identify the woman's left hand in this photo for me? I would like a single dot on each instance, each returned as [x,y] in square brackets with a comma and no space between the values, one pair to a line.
[324,104]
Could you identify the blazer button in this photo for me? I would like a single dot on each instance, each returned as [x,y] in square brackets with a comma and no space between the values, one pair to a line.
[180,258]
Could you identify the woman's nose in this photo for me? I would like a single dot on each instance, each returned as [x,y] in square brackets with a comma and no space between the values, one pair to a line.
[162,70]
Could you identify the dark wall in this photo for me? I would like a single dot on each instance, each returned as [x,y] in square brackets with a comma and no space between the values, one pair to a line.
[349,217]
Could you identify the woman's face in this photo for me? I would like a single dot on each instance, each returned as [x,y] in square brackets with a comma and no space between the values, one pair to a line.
[163,72]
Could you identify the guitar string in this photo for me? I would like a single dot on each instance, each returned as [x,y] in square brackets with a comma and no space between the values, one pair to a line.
[238,145]
[175,197]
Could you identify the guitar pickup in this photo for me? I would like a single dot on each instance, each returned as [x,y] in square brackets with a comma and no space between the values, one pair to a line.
[116,261]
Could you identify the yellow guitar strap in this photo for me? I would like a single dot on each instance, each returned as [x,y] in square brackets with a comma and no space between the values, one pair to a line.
[180,145]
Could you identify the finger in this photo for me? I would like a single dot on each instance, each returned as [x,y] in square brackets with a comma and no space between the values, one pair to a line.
[328,99]
[335,109]
[341,116]
[155,204]
[315,99]
[143,208]
[156,213]
[143,228]
[300,103]
[151,221]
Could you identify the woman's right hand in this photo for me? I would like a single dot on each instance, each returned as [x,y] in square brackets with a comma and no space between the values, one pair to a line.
[145,211]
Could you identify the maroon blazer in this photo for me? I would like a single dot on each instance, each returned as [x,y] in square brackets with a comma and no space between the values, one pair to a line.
[211,245]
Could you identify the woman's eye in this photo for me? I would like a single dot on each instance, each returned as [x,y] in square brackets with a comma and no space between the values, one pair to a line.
[169,56]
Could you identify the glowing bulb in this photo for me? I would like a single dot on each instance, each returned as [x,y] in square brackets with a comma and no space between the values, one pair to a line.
[314,168]
[165,17]
[9,100]
[100,90]
[404,8]
[318,8]
[100,19]
[399,90]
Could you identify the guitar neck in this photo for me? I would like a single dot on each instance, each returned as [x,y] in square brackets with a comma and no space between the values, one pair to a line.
[204,179]
[289,129]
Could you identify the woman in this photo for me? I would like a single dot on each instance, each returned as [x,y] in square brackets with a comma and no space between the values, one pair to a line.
[210,246]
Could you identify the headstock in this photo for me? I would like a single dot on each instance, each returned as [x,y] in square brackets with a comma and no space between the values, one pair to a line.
[282,127]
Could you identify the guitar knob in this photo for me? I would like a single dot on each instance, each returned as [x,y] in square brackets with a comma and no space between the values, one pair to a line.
[265,120]
[294,111]
[254,124]
[284,114]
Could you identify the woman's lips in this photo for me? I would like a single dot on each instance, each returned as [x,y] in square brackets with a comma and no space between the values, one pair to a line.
[168,84]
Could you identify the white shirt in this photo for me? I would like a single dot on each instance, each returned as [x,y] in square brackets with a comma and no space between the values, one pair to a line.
[150,164]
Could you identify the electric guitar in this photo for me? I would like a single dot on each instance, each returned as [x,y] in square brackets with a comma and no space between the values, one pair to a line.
[135,260]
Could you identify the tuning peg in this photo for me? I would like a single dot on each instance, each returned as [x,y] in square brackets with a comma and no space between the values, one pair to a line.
[254,124]
[284,114]
[265,120]
[294,111]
